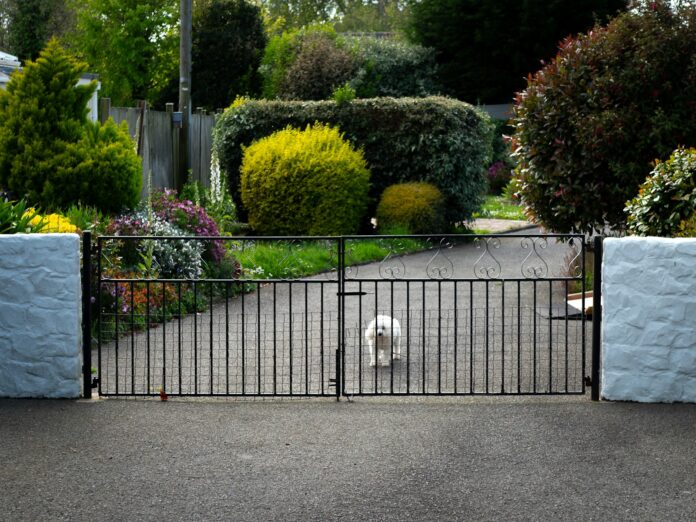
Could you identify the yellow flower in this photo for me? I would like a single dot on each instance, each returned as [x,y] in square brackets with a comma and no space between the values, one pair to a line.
[53,223]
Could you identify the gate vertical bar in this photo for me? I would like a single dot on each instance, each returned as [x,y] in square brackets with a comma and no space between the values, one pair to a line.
[86,315]
[597,316]
[340,351]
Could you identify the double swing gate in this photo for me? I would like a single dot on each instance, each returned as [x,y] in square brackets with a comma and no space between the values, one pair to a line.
[445,315]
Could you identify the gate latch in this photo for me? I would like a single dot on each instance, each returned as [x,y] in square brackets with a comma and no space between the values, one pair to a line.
[350,293]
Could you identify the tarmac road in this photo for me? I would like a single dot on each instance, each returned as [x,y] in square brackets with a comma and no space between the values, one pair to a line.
[473,458]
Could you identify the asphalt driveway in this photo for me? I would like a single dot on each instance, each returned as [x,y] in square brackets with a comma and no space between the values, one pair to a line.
[472,458]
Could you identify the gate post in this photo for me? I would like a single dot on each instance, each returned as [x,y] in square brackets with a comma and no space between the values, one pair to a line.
[86,314]
[597,317]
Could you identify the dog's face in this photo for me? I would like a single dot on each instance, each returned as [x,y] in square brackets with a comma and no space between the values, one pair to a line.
[383,326]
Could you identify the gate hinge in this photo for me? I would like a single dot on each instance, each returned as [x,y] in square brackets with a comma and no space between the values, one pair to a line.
[95,382]
[332,381]
[350,293]
[588,381]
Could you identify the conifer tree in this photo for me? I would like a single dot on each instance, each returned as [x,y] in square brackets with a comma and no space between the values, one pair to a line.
[44,139]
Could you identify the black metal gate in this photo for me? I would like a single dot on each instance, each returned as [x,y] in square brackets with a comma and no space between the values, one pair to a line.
[464,315]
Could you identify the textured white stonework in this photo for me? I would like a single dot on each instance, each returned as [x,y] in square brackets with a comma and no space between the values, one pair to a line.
[649,320]
[40,312]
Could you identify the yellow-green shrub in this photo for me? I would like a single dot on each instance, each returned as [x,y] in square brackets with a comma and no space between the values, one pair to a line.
[311,181]
[418,206]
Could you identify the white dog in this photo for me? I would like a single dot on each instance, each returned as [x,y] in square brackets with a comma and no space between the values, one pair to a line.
[383,334]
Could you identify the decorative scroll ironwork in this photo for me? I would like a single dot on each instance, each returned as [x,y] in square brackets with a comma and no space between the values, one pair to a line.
[392,267]
[487,268]
[440,265]
[573,260]
[534,266]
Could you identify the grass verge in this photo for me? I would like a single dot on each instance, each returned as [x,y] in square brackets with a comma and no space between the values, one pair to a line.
[497,207]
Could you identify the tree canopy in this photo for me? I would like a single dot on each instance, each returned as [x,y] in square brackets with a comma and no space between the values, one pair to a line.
[26,25]
[486,48]
[132,44]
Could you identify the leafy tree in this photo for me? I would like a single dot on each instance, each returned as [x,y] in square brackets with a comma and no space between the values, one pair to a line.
[4,25]
[486,48]
[27,25]
[591,123]
[50,153]
[132,44]
[228,42]
[298,13]
[372,16]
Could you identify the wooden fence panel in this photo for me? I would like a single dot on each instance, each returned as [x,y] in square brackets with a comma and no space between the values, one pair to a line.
[158,145]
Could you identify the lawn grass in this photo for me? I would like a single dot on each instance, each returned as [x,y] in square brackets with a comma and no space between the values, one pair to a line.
[289,259]
[497,207]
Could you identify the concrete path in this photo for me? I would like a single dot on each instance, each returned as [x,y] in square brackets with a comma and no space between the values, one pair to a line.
[372,459]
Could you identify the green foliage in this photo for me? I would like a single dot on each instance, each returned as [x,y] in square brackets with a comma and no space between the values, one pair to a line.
[500,207]
[389,67]
[368,16]
[304,182]
[219,206]
[319,67]
[687,228]
[343,94]
[346,15]
[14,218]
[133,46]
[590,124]
[310,63]
[282,52]
[228,41]
[486,47]
[443,141]
[417,206]
[87,218]
[667,198]
[30,24]
[50,152]
[106,174]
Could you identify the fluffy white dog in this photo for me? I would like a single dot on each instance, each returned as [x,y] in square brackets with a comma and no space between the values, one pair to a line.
[382,335]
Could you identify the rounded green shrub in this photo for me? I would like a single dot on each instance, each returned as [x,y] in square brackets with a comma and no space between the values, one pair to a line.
[304,182]
[590,123]
[417,206]
[667,198]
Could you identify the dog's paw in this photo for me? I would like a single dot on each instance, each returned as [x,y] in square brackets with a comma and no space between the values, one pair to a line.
[384,363]
[372,364]
[397,356]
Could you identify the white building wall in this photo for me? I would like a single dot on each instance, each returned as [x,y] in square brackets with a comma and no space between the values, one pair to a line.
[40,316]
[649,320]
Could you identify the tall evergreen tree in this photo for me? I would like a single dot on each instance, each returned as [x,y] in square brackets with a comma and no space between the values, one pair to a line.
[49,152]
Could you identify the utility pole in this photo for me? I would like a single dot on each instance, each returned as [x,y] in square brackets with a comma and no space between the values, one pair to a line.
[184,92]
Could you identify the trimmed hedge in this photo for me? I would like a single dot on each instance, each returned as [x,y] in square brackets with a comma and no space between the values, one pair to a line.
[443,141]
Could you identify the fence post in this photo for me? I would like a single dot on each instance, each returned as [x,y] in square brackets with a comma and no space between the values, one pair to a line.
[104,109]
[86,314]
[597,317]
